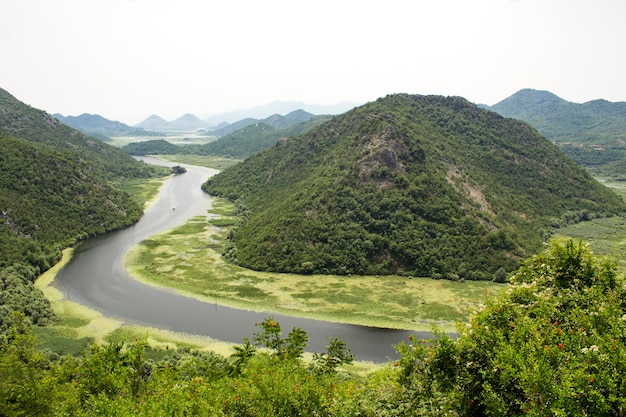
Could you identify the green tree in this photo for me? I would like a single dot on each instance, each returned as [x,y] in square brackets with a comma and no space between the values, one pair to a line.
[554,345]
[27,385]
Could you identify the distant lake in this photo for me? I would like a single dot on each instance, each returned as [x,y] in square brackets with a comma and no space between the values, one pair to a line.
[96,278]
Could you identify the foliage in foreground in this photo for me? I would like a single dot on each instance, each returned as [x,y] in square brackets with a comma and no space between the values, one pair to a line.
[553,346]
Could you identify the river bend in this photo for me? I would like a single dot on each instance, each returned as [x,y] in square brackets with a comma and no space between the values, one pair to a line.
[96,278]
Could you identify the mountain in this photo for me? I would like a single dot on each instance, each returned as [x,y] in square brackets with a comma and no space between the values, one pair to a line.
[186,122]
[592,133]
[100,127]
[275,121]
[278,107]
[55,190]
[19,120]
[412,185]
[154,122]
[595,122]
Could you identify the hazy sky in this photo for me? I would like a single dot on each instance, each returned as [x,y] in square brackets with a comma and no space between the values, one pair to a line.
[128,59]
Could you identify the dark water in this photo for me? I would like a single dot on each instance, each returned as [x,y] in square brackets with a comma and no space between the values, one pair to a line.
[96,278]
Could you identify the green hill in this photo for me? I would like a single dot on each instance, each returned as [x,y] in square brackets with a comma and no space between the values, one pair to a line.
[49,200]
[415,185]
[152,147]
[254,138]
[592,133]
[18,120]
[595,122]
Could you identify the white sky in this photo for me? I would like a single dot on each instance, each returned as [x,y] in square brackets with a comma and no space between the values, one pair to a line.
[128,59]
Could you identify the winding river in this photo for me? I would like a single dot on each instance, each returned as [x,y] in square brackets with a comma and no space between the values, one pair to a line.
[96,278]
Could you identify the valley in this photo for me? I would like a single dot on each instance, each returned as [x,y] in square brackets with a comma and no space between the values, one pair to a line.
[170,324]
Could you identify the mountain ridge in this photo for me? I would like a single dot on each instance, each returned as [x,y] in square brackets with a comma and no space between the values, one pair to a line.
[101,127]
[594,122]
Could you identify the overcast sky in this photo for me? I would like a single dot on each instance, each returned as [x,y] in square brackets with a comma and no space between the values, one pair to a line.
[128,59]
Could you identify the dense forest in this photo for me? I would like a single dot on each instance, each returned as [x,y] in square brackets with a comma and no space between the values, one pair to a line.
[55,190]
[554,345]
[414,185]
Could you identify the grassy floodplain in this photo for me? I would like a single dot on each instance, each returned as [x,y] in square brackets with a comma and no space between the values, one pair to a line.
[188,260]
[605,236]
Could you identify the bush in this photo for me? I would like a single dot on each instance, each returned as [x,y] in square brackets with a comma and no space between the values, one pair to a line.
[552,346]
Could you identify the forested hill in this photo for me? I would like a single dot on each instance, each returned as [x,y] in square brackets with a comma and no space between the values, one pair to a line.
[253,138]
[19,120]
[595,122]
[49,200]
[54,191]
[416,185]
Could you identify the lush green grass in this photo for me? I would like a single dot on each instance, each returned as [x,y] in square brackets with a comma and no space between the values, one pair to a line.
[606,236]
[144,190]
[188,259]
[61,340]
[209,161]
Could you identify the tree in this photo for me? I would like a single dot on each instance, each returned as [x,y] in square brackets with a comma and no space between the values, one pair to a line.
[554,345]
[177,169]
[27,385]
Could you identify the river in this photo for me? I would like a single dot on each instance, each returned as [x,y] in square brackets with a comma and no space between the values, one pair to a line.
[95,277]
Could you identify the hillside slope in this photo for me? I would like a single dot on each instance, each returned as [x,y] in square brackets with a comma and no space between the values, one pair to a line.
[49,200]
[18,120]
[416,185]
[593,134]
[595,122]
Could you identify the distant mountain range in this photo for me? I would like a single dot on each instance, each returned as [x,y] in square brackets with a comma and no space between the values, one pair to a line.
[186,122]
[238,140]
[100,127]
[220,124]
[279,107]
[276,121]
